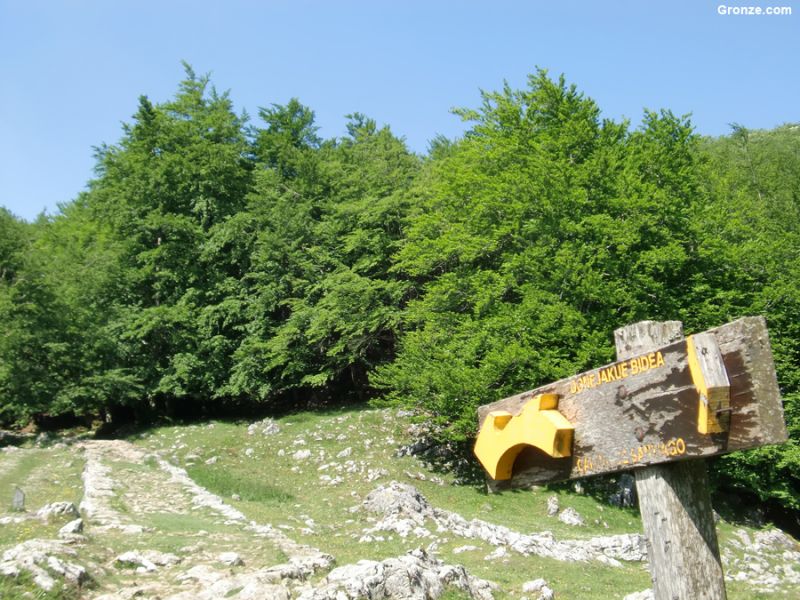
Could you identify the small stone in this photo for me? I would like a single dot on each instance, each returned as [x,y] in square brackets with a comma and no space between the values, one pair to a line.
[12,520]
[18,500]
[643,595]
[231,559]
[375,474]
[58,509]
[236,497]
[570,516]
[301,454]
[552,506]
[774,539]
[249,452]
[71,528]
[500,552]
[265,427]
[531,587]
[413,575]
[162,559]
[607,560]
[135,560]
[345,453]
[213,460]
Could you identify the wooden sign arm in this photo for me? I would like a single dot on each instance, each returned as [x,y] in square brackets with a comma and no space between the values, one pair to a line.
[503,436]
[707,369]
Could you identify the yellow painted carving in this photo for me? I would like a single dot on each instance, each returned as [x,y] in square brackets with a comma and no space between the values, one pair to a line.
[711,380]
[503,436]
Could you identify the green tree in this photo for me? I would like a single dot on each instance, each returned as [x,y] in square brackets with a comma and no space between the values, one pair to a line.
[35,341]
[536,235]
[181,170]
[752,248]
[323,308]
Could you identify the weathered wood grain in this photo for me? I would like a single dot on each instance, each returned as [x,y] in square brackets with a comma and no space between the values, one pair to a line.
[711,380]
[674,501]
[643,409]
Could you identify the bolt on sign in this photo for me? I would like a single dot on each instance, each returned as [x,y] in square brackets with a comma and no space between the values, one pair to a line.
[711,393]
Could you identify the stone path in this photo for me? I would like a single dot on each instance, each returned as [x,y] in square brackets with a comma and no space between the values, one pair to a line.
[100,489]
[125,487]
[151,485]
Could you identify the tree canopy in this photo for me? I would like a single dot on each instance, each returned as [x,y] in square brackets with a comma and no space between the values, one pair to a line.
[218,264]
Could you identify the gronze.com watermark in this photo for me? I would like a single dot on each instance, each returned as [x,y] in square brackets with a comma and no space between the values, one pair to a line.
[755,11]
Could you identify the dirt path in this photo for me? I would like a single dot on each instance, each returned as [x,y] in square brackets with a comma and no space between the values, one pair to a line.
[136,500]
[147,530]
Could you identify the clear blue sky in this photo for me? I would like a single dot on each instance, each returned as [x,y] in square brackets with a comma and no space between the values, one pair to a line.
[71,70]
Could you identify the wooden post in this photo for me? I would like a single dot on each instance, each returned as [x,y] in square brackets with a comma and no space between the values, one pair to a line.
[674,501]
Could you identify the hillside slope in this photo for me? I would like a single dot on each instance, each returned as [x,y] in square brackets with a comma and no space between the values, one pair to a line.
[317,507]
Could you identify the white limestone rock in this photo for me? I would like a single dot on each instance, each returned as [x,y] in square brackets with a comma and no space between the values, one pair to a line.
[552,506]
[44,561]
[643,595]
[58,509]
[74,527]
[570,516]
[231,559]
[302,455]
[134,560]
[413,576]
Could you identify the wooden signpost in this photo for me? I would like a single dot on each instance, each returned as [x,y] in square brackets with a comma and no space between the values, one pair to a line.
[665,400]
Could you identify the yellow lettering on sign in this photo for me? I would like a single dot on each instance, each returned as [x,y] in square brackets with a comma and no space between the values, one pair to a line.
[646,454]
[617,372]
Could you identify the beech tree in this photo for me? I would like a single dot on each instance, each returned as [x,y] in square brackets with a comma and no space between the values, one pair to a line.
[536,235]
[214,264]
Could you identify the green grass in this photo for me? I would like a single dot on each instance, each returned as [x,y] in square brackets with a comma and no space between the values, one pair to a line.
[45,475]
[23,588]
[170,523]
[286,492]
[16,533]
[225,483]
[297,496]
[277,489]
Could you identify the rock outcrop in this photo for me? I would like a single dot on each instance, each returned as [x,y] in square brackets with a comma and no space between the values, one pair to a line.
[413,576]
[45,561]
[404,511]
